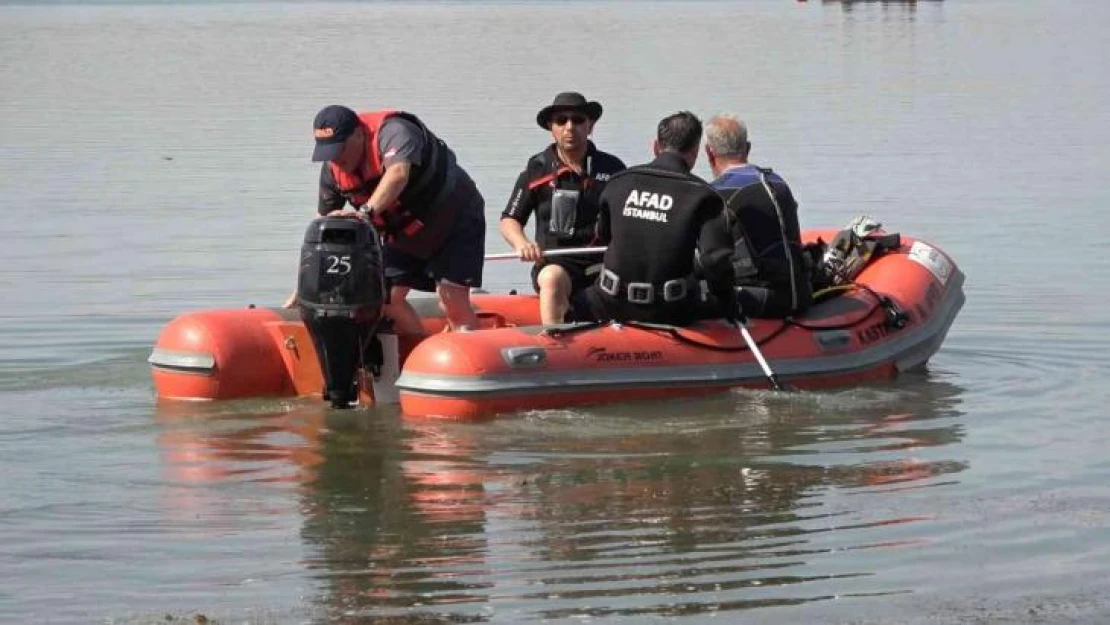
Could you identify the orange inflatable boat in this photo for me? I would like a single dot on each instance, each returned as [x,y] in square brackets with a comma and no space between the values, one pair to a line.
[894,318]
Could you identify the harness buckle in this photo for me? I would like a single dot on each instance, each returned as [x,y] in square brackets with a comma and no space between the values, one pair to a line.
[641,293]
[608,282]
[674,290]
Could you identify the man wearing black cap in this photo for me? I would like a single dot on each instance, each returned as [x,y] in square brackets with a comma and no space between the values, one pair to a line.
[654,218]
[561,185]
[405,180]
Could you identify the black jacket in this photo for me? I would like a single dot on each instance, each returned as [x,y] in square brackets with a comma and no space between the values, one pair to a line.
[655,218]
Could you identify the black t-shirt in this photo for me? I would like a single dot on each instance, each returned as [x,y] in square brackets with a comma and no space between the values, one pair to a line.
[544,174]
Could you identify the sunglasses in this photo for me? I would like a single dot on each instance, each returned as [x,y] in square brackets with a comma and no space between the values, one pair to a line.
[561,120]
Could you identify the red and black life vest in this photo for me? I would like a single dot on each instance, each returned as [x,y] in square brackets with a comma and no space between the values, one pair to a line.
[429,186]
[426,181]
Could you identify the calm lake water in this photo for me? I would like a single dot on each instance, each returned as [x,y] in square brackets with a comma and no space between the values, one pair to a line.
[155,160]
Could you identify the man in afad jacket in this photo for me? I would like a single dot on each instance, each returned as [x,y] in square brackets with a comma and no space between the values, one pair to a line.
[654,218]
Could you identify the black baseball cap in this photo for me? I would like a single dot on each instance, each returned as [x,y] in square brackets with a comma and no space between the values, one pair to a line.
[333,125]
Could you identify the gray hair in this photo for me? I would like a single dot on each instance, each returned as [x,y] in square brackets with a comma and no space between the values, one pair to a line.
[726,135]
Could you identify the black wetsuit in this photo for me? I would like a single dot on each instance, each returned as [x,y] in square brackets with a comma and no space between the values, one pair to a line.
[653,218]
[778,283]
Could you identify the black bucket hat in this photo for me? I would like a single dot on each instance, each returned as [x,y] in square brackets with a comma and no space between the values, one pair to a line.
[568,101]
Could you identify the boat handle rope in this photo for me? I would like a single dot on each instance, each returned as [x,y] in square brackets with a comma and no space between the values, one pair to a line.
[682,338]
[675,333]
[895,316]
[564,330]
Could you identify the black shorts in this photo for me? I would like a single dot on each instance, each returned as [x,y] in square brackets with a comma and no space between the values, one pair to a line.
[583,270]
[459,260]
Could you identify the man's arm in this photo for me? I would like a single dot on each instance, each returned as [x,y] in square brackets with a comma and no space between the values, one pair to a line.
[604,220]
[515,217]
[513,233]
[329,198]
[393,182]
[715,247]
[790,208]
[401,143]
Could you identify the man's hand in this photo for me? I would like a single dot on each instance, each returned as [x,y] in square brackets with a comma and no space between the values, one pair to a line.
[344,212]
[734,307]
[291,301]
[529,252]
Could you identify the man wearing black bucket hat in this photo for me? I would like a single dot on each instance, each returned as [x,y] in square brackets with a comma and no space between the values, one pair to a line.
[400,176]
[561,186]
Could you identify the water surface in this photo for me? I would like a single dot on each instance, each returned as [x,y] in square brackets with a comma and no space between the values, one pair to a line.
[154,160]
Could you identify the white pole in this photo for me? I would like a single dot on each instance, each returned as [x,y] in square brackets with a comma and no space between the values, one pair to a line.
[754,347]
[567,251]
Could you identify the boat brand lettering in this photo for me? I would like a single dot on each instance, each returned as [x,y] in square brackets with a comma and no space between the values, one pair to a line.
[648,205]
[932,259]
[600,354]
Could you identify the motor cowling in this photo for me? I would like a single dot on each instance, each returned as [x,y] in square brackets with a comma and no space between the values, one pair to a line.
[340,294]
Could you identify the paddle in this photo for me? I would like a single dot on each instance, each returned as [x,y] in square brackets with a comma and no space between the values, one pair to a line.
[567,251]
[754,347]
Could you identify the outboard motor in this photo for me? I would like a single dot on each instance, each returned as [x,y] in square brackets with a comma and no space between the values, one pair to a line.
[340,293]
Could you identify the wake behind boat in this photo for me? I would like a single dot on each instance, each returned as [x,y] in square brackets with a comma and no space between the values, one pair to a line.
[893,318]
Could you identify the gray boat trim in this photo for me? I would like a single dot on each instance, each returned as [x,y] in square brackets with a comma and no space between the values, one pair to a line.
[908,349]
[185,362]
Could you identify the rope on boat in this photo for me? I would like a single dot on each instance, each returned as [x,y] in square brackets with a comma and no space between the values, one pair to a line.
[895,317]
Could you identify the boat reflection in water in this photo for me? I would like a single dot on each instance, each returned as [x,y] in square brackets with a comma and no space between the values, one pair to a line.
[890,8]
[911,4]
[737,501]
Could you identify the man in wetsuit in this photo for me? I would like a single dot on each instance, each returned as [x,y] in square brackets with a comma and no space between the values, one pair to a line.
[655,218]
[396,173]
[772,278]
[561,187]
